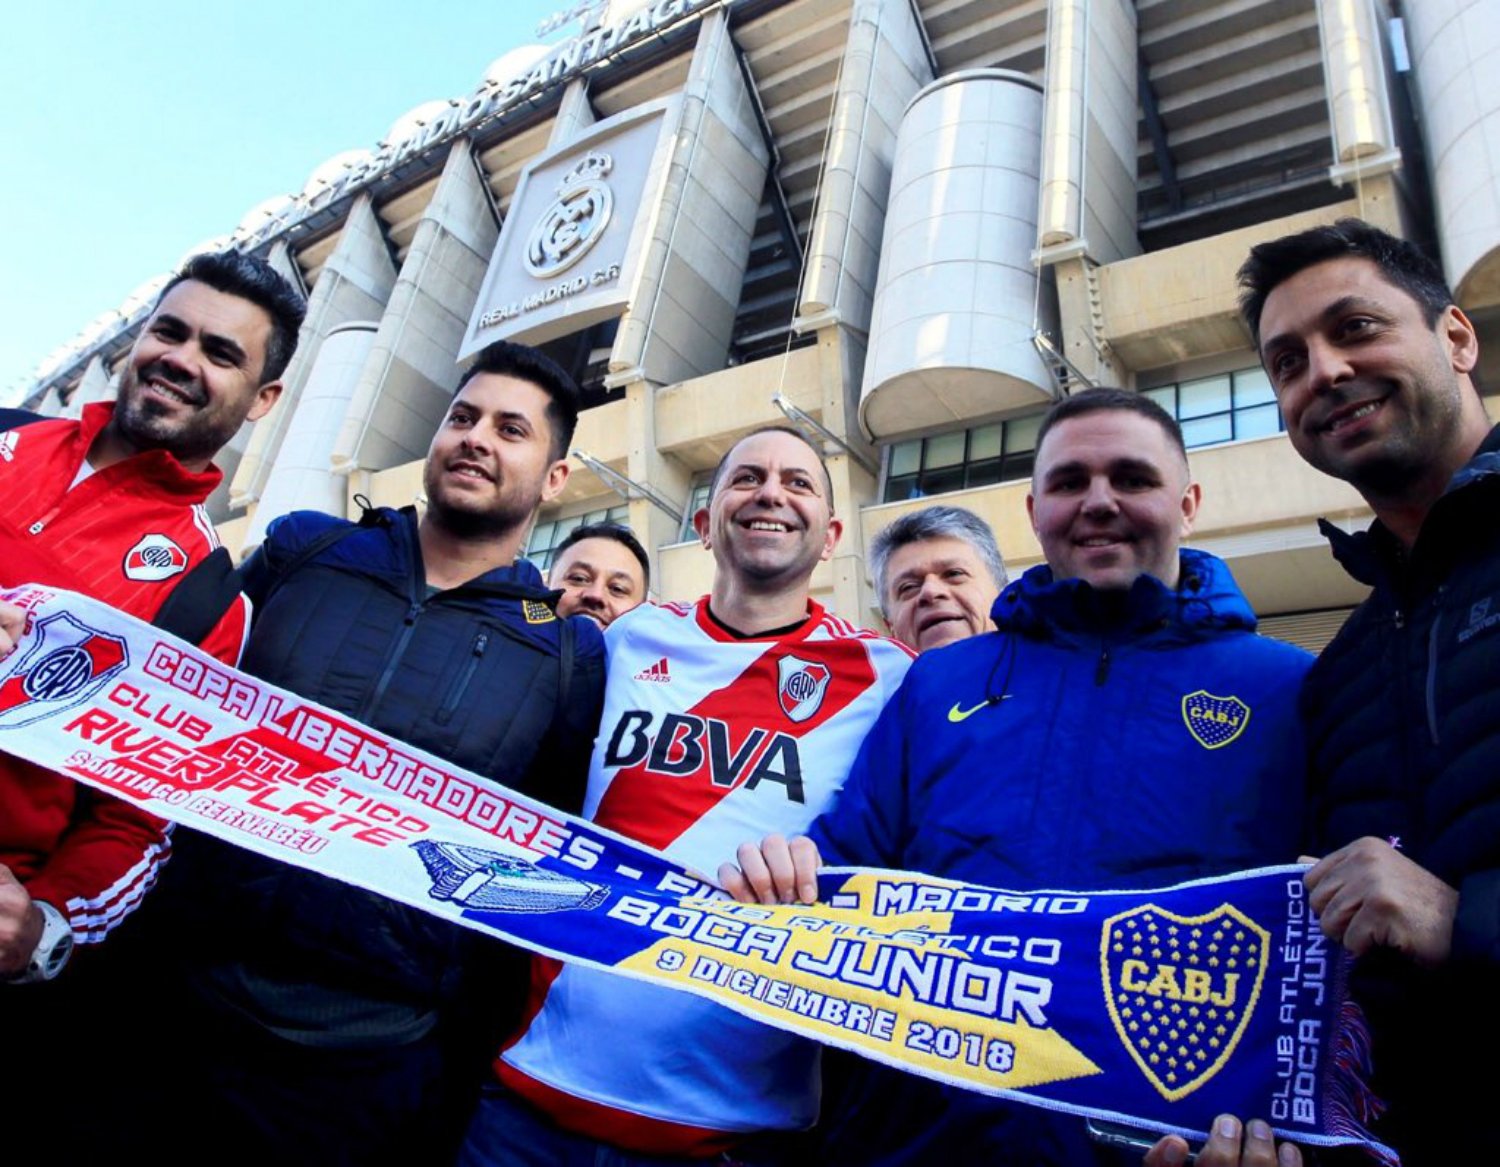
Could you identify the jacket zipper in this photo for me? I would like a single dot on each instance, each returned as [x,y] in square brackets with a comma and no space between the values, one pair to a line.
[37,527]
[1432,657]
[1101,670]
[461,683]
[415,601]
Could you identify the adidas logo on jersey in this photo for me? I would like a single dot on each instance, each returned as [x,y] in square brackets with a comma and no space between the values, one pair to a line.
[657,672]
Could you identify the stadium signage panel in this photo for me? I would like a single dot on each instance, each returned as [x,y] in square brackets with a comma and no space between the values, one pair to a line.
[569,253]
[567,61]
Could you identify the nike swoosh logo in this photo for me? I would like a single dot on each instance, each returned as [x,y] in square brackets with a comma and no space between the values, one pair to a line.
[956,714]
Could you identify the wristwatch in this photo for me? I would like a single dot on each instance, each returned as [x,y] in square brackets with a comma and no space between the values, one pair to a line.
[52,950]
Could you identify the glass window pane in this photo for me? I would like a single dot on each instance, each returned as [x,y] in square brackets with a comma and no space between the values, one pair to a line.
[901,489]
[941,481]
[1207,430]
[944,450]
[984,473]
[1252,387]
[1208,395]
[984,442]
[906,457]
[1166,397]
[1259,422]
[1020,433]
[1017,466]
[541,534]
[619,514]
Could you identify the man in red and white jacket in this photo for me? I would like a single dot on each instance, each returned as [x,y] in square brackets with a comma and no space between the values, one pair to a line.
[738,714]
[112,506]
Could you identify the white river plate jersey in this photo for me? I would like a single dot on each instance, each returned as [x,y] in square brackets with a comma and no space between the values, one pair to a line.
[707,742]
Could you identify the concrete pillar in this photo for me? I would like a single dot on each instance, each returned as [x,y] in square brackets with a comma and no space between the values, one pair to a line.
[681,319]
[409,375]
[951,338]
[1089,141]
[95,385]
[354,284]
[884,66]
[1455,54]
[574,114]
[1358,102]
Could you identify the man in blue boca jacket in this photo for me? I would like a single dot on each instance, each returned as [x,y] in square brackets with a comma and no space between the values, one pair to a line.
[1148,736]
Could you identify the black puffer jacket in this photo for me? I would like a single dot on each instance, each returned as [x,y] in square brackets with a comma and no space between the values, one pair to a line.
[1403,721]
[484,675]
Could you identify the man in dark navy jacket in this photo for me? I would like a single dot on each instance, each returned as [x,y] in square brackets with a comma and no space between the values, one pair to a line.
[1373,365]
[331,1025]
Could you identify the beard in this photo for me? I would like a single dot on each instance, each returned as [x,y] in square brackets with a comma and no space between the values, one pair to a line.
[468,518]
[147,425]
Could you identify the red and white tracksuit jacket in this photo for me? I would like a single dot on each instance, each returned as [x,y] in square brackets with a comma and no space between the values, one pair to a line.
[125,535]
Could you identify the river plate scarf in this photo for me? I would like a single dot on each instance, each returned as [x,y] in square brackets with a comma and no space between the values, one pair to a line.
[1161,1008]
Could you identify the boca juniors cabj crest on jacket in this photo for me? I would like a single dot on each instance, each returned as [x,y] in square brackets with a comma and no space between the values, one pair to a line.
[708,741]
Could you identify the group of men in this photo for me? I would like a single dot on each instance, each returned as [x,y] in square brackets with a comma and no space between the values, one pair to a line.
[1044,736]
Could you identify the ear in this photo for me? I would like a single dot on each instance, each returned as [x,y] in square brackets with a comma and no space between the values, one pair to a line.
[265,397]
[831,538]
[1031,511]
[701,525]
[557,478]
[1457,331]
[1191,498]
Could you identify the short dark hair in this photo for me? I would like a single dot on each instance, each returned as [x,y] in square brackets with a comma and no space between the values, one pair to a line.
[621,535]
[251,278]
[525,363]
[713,483]
[1402,264]
[1104,398]
[934,522]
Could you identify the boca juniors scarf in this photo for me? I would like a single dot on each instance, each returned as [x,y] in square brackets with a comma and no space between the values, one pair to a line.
[1161,1008]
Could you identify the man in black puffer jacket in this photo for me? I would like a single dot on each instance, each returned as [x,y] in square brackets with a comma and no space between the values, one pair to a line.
[328,1025]
[1371,362]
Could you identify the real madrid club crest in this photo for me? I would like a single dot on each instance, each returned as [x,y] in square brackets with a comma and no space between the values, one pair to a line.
[1214,721]
[1181,989]
[575,222]
[66,663]
[802,685]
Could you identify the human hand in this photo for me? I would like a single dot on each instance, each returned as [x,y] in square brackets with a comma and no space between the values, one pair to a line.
[12,628]
[777,871]
[1369,895]
[1229,1145]
[20,925]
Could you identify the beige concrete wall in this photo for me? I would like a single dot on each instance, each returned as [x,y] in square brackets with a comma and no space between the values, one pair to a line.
[1179,303]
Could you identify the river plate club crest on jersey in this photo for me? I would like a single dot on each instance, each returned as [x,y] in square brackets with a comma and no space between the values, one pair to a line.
[803,684]
[1214,721]
[1181,989]
[66,663]
[575,222]
[153,559]
[488,881]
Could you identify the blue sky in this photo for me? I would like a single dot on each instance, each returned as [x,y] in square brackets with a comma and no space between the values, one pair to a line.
[133,132]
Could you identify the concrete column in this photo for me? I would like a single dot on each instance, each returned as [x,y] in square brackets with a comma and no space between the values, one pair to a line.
[574,114]
[409,375]
[354,284]
[1455,54]
[884,66]
[302,479]
[681,319]
[95,385]
[1358,103]
[667,475]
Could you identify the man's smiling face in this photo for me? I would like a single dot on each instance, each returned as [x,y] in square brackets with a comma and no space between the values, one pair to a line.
[1370,392]
[1111,500]
[770,520]
[938,591]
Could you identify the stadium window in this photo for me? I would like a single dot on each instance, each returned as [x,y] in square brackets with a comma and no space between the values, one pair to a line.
[1228,407]
[545,536]
[697,499]
[1003,451]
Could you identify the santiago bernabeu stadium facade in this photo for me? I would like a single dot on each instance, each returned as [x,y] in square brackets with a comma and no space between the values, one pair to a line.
[906,226]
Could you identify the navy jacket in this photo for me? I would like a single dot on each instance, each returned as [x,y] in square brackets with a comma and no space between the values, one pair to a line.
[1093,742]
[1403,721]
[475,675]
